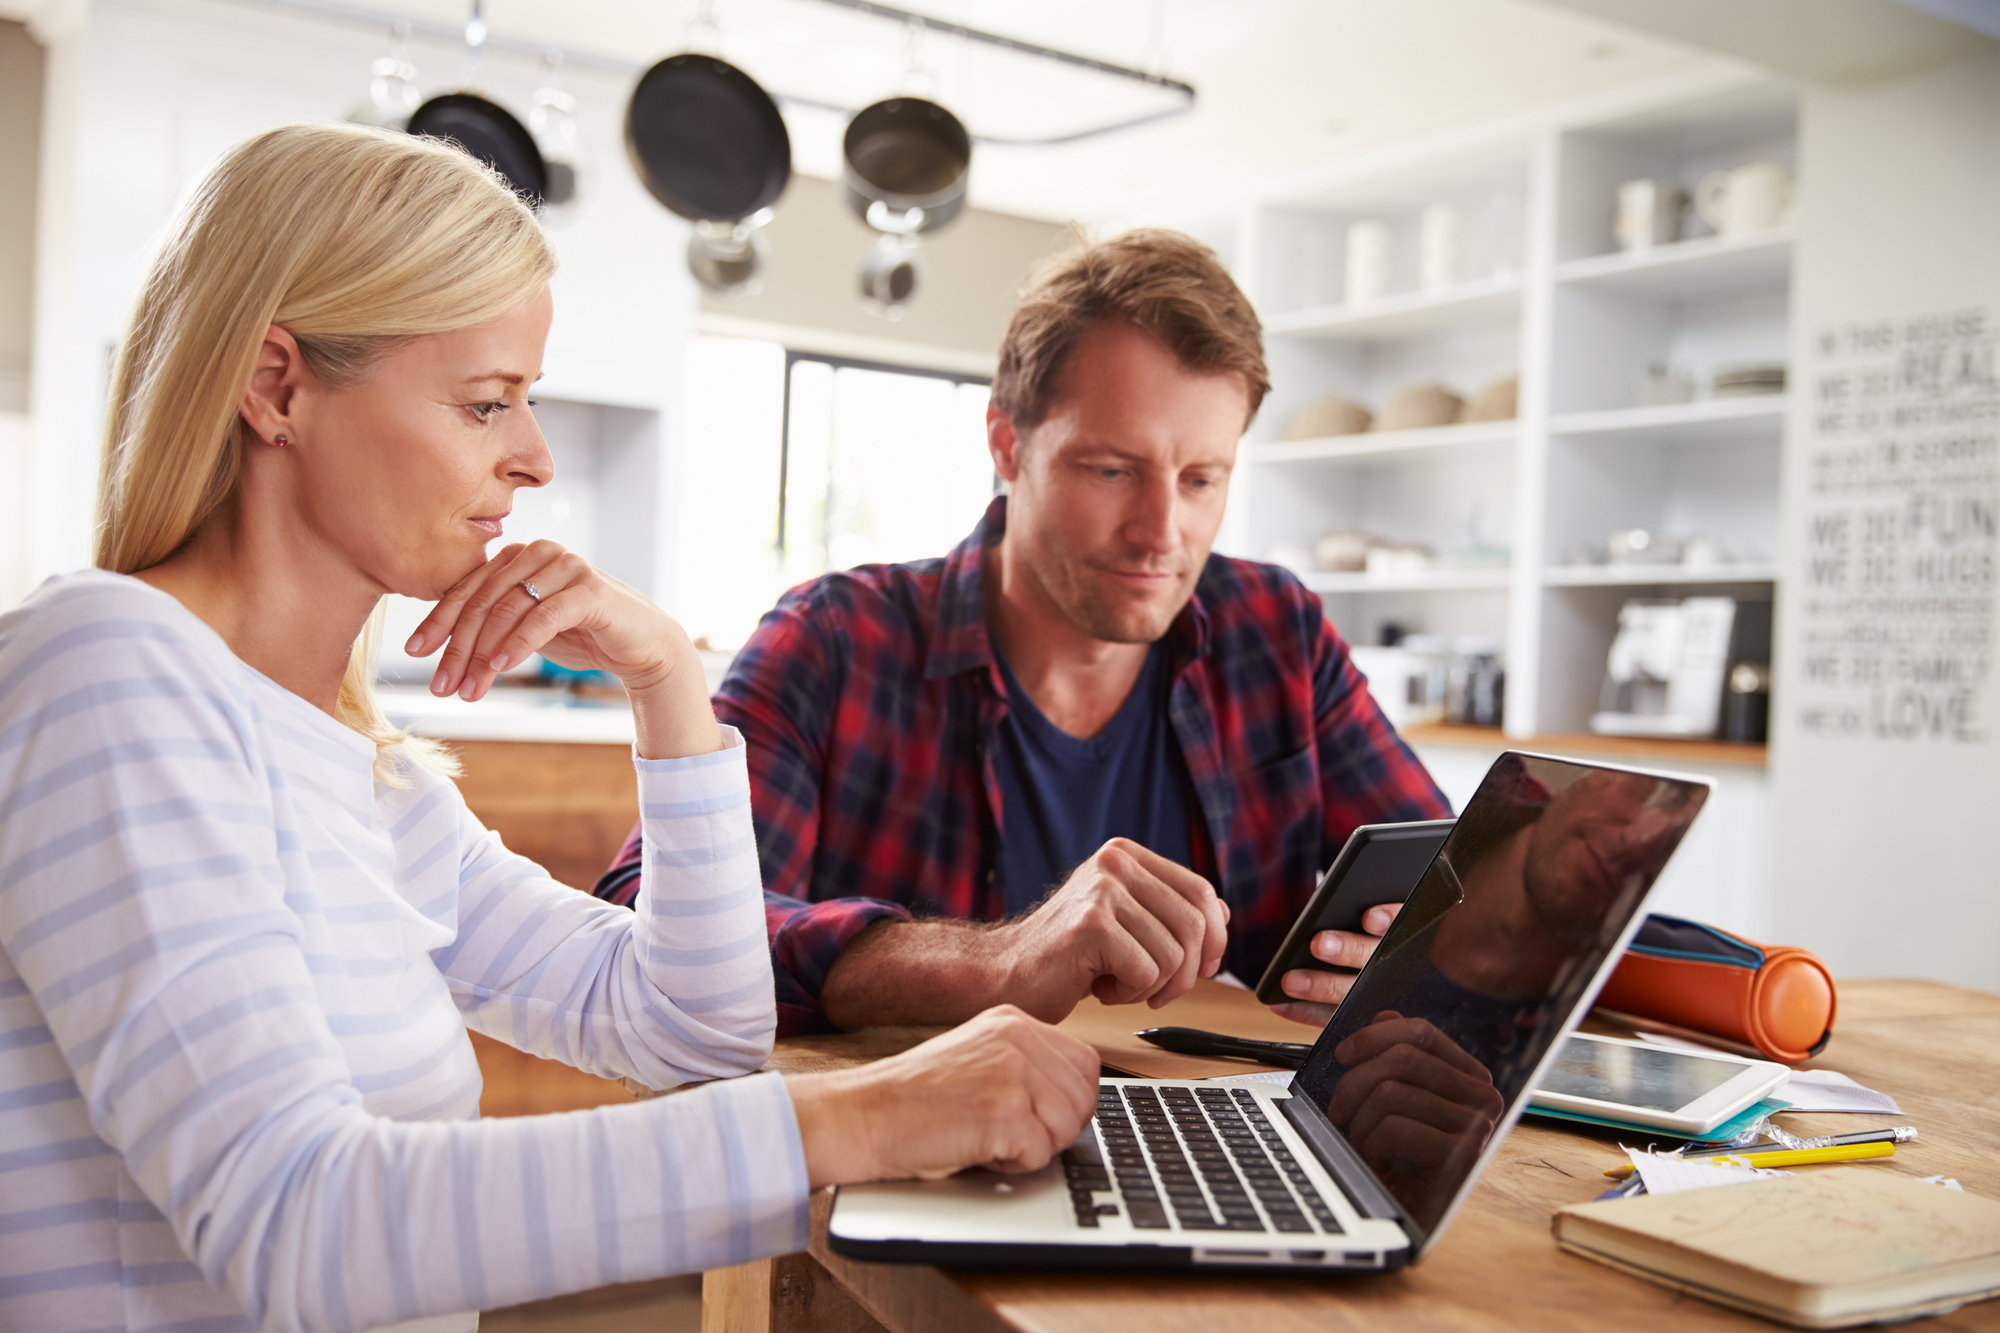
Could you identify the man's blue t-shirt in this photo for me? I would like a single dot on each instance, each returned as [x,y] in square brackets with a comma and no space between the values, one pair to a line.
[1062,798]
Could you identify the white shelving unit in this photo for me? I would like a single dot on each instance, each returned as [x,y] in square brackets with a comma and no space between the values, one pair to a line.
[1657,576]
[1710,266]
[1377,444]
[1545,293]
[1712,416]
[1407,314]
[1430,580]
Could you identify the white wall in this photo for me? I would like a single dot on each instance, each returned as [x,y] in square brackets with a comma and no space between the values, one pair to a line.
[20,135]
[973,271]
[20,140]
[1886,747]
[15,443]
[155,89]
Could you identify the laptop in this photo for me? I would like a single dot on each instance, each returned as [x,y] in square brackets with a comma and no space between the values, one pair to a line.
[1407,1095]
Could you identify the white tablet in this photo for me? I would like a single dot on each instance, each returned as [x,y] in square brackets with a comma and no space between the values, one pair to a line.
[1649,1085]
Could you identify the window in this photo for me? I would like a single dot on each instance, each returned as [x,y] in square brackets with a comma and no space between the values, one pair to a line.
[881,464]
[795,464]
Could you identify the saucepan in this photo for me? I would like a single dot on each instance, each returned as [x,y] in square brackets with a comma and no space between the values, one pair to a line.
[903,169]
[903,165]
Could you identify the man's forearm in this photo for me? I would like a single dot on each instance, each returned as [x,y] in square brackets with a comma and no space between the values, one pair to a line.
[914,974]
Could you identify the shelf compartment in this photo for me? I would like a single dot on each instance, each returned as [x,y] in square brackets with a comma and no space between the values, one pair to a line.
[1431,580]
[1487,302]
[1708,417]
[1375,444]
[1709,267]
[1640,576]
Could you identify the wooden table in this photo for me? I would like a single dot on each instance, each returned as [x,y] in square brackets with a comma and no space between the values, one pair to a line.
[1935,1048]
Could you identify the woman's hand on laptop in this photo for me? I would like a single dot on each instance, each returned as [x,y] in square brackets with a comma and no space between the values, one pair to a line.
[1003,1090]
[1317,993]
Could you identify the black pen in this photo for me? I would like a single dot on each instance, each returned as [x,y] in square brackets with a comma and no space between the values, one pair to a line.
[1194,1041]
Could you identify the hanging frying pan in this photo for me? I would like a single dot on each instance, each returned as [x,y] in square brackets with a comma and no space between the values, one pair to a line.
[491,134]
[706,140]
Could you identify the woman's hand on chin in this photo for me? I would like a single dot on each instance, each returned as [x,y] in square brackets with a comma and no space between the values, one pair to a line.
[578,617]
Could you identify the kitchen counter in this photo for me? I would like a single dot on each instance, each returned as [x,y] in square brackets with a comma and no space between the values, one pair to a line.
[1652,749]
[510,713]
[523,712]
[1722,873]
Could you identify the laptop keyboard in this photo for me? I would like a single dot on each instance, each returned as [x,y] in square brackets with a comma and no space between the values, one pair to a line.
[1207,1158]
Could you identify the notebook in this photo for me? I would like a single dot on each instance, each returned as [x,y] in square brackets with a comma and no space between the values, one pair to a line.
[1826,1247]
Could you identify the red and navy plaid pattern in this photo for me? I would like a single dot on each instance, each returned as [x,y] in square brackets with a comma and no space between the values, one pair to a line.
[867,699]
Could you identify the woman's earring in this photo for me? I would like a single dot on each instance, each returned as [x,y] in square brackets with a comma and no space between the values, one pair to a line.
[281,441]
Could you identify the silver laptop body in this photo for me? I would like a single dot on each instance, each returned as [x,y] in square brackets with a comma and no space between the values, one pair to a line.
[1494,959]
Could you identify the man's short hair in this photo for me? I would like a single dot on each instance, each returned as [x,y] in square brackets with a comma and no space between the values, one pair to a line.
[1159,282]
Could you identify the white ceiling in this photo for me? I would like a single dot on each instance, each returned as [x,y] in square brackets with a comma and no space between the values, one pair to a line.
[1821,41]
[1282,84]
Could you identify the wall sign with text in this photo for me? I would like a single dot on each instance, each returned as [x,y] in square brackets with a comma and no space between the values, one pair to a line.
[1894,623]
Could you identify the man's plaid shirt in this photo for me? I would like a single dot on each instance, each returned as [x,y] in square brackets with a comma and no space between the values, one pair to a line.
[867,699]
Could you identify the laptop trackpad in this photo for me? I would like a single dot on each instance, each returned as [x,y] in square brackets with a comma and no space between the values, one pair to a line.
[1035,1205]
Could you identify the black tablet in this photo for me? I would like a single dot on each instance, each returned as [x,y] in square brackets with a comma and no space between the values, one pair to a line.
[1381,863]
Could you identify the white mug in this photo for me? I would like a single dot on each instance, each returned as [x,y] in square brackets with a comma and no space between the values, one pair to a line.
[1649,214]
[1367,260]
[1437,248]
[1749,198]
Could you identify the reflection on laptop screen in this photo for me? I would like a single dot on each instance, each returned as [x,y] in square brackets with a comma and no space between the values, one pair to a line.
[1443,1030]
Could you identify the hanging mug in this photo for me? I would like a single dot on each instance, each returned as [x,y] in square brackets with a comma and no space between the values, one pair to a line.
[1748,198]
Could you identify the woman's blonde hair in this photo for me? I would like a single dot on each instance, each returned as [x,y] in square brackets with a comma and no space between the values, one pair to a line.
[355,241]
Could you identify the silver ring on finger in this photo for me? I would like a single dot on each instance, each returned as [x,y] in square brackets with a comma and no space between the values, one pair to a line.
[531,590]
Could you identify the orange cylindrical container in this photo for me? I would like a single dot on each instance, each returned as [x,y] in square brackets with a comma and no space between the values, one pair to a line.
[1780,1000]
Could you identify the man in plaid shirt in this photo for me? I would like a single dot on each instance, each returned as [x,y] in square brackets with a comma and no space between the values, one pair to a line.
[1080,754]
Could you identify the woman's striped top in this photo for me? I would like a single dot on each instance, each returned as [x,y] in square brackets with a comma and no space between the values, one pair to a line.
[236,974]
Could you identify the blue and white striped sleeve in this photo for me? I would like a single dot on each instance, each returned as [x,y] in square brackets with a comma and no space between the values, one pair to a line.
[679,991]
[143,906]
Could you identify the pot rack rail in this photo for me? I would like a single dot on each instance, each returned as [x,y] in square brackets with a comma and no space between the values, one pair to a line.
[357,16]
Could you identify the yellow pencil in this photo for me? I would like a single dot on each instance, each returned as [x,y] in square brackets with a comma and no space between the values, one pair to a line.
[1844,1152]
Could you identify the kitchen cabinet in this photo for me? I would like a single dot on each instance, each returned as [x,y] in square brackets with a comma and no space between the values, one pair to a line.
[568,806]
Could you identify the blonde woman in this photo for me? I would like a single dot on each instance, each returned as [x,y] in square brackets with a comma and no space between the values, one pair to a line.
[244,924]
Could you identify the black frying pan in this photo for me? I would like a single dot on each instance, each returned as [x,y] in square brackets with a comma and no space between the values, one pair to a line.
[491,134]
[706,140]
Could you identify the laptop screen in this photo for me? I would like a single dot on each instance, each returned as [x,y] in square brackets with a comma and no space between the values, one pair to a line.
[1436,1044]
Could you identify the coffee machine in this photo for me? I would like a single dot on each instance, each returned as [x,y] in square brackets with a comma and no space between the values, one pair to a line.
[1672,663]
